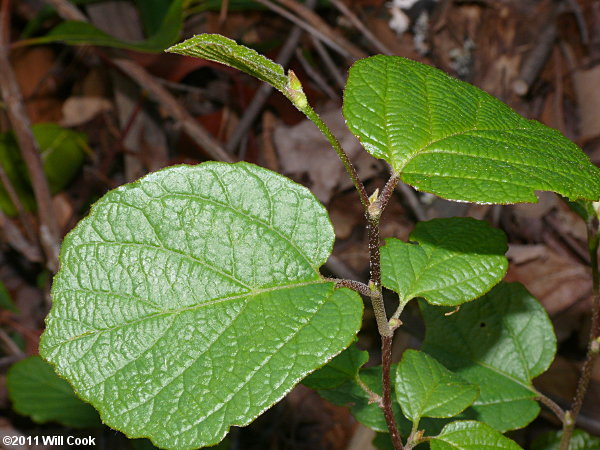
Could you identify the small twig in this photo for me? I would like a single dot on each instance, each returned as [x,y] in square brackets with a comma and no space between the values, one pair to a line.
[357,286]
[9,345]
[14,237]
[570,417]
[583,31]
[331,66]
[354,20]
[67,10]
[315,20]
[9,87]
[373,396]
[535,61]
[315,30]
[316,77]
[174,109]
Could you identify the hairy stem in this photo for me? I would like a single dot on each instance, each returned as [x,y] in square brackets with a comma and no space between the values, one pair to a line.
[593,345]
[551,405]
[360,188]
[386,362]
[357,286]
[374,211]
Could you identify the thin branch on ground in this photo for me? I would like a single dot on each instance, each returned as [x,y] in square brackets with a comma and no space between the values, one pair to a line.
[317,22]
[17,114]
[331,66]
[316,77]
[354,20]
[12,235]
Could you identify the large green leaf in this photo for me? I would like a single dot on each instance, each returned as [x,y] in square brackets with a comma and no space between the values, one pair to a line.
[499,342]
[471,435]
[456,260]
[425,388]
[191,301]
[215,47]
[449,138]
[83,33]
[36,391]
[344,367]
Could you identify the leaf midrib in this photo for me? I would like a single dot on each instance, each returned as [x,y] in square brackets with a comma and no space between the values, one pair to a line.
[251,293]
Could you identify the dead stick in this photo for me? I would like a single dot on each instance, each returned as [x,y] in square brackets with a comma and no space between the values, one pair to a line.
[9,87]
[376,43]
[315,20]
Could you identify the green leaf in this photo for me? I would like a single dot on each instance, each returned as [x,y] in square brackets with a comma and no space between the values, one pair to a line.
[583,208]
[6,301]
[215,47]
[62,151]
[83,33]
[425,388]
[471,435]
[36,391]
[456,260]
[191,301]
[344,367]
[579,441]
[499,342]
[152,13]
[449,138]
[362,408]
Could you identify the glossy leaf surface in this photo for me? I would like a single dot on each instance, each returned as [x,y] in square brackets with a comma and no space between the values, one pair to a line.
[36,391]
[456,260]
[499,342]
[215,47]
[449,138]
[471,435]
[425,388]
[191,301]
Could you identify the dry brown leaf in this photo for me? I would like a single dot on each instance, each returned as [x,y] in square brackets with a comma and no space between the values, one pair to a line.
[79,110]
[556,280]
[586,84]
